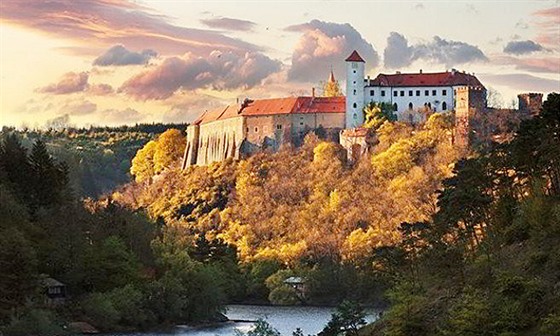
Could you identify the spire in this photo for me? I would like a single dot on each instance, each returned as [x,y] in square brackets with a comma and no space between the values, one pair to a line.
[331,76]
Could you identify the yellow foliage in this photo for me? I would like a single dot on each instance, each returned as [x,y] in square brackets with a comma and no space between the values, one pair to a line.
[169,150]
[142,167]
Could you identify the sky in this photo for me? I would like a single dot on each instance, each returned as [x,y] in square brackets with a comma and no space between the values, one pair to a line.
[115,62]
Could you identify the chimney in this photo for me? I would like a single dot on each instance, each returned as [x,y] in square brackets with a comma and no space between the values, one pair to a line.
[420,70]
[398,72]
[313,92]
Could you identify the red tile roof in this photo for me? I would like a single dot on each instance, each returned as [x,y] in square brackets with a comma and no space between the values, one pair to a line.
[452,78]
[276,106]
[355,57]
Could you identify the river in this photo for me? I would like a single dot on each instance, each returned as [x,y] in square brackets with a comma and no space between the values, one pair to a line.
[285,319]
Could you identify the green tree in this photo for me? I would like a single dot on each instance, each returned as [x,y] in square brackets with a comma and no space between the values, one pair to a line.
[18,279]
[347,320]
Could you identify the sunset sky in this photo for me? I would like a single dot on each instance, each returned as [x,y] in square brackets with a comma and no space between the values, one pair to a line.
[112,62]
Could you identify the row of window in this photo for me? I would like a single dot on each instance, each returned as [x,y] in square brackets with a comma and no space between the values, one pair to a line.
[410,93]
[428,105]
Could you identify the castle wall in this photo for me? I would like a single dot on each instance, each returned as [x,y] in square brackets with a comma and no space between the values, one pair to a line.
[191,149]
[219,140]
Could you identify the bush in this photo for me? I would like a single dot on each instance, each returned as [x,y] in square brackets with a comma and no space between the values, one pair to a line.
[550,325]
[284,295]
[34,322]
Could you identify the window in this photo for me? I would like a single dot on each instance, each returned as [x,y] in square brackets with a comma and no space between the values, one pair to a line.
[427,93]
[402,93]
[256,129]
[444,92]
[278,127]
[355,116]
[301,123]
[410,106]
[354,71]
[354,92]
[444,105]
[395,93]
[371,92]
[382,93]
[395,106]
[354,82]
[355,105]
[410,93]
[247,129]
[434,92]
[417,93]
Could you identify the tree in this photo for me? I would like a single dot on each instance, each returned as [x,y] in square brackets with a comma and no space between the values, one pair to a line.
[18,279]
[143,163]
[169,150]
[332,88]
[49,179]
[377,113]
[347,319]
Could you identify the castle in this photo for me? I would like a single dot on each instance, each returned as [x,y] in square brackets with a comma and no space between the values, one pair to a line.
[249,126]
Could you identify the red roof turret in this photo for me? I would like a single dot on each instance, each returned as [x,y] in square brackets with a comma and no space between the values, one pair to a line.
[355,57]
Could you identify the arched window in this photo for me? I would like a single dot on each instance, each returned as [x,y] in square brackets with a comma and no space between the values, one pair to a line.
[354,92]
[395,107]
[410,106]
[355,105]
[444,106]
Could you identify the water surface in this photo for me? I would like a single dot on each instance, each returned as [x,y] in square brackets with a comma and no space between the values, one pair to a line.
[285,319]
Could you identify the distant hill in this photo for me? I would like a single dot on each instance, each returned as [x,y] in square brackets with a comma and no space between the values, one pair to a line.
[98,158]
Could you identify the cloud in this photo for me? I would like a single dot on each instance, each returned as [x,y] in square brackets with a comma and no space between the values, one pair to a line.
[219,71]
[533,64]
[229,24]
[119,55]
[547,22]
[102,23]
[419,6]
[324,45]
[100,89]
[70,82]
[399,53]
[522,47]
[79,108]
[116,117]
[522,82]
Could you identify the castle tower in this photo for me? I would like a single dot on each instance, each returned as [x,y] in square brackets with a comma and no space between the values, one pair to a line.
[470,100]
[355,65]
[530,103]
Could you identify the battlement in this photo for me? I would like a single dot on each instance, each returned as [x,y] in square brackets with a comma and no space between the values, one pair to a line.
[530,103]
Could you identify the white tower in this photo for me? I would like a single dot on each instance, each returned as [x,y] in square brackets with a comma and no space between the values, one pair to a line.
[354,90]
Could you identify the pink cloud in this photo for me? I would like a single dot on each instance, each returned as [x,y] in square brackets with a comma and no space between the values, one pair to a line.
[73,82]
[220,71]
[70,82]
[548,23]
[324,45]
[103,23]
